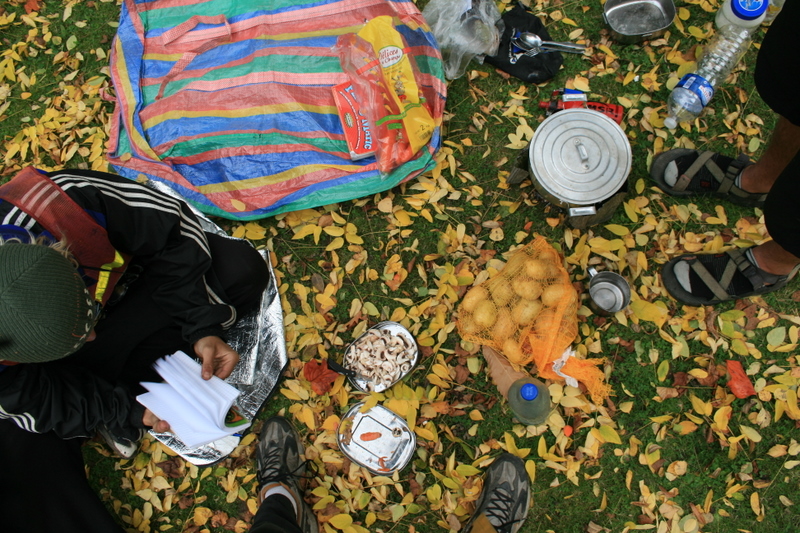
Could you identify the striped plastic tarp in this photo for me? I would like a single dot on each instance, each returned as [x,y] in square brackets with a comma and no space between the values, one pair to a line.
[230,102]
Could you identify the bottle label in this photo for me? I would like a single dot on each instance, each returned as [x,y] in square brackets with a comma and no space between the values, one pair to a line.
[699,86]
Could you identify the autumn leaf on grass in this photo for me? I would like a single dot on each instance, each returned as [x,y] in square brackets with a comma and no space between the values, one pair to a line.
[31,6]
[740,384]
[501,371]
[320,376]
[649,311]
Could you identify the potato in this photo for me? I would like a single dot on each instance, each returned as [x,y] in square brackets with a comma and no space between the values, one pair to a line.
[504,327]
[527,288]
[553,294]
[538,269]
[526,311]
[485,314]
[467,326]
[550,256]
[512,351]
[545,322]
[473,298]
[502,292]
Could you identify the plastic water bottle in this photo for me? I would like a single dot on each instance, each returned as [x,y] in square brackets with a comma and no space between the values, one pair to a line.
[693,93]
[530,401]
[735,21]
[742,13]
[774,8]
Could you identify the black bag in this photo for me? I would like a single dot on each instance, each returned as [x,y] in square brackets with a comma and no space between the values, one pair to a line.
[537,69]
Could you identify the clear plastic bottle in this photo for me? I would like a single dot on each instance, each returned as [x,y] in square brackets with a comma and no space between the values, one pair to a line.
[735,23]
[693,93]
[743,13]
[774,8]
[530,401]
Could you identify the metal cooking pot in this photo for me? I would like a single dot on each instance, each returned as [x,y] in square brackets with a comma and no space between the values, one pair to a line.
[578,160]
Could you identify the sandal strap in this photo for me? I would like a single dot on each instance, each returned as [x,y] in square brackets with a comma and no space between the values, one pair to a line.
[726,179]
[686,178]
[737,261]
[715,286]
[728,182]
[728,185]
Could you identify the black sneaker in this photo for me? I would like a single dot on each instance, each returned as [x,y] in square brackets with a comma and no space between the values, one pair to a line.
[506,495]
[280,462]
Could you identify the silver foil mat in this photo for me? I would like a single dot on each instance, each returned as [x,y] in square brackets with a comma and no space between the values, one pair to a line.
[258,338]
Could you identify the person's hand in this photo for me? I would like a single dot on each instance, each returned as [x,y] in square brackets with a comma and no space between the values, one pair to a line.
[152,421]
[218,358]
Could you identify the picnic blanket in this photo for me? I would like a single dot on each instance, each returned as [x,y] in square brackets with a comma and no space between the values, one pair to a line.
[230,102]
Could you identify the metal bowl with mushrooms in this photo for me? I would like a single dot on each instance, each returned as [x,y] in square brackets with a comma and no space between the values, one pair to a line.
[381,357]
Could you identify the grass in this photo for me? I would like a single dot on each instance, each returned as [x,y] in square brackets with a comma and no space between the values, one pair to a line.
[617,489]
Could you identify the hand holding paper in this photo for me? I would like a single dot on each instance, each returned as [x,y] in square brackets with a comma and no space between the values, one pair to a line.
[219,359]
[195,408]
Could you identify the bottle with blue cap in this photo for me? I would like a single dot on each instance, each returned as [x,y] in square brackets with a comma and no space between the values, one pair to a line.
[530,401]
[747,14]
[736,20]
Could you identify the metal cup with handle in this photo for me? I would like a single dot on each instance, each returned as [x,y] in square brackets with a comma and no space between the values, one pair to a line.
[608,291]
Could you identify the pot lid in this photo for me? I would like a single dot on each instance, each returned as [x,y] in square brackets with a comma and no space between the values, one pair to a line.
[580,156]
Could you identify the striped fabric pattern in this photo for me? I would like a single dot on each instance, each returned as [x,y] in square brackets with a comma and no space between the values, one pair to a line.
[230,102]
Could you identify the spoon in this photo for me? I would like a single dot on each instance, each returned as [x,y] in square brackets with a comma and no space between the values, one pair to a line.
[533,43]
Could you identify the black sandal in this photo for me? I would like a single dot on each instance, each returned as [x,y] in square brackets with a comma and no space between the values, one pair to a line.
[716,278]
[702,173]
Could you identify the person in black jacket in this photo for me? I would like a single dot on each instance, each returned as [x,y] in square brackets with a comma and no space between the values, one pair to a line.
[78,334]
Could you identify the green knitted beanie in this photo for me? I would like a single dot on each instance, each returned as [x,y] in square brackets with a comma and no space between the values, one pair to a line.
[46,313]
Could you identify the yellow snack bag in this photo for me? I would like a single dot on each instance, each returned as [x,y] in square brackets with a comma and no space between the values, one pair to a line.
[384,76]
[400,81]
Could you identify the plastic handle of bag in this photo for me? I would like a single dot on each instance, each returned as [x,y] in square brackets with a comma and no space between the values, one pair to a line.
[180,31]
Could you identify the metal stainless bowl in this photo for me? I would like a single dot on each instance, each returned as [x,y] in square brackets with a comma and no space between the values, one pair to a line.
[366,383]
[634,21]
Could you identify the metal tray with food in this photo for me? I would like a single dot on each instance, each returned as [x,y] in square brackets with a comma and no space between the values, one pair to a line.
[380,357]
[379,439]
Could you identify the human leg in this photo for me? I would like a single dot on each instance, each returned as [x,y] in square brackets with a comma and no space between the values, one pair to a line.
[276,514]
[683,172]
[131,336]
[782,217]
[784,145]
[44,486]
[136,331]
[280,467]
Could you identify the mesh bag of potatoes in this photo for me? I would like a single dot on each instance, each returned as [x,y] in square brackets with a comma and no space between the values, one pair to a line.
[528,311]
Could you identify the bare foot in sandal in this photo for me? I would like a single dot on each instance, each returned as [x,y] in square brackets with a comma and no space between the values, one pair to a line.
[773,258]
[708,279]
[684,172]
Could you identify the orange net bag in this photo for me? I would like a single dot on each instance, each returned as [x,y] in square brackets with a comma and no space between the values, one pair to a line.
[528,312]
